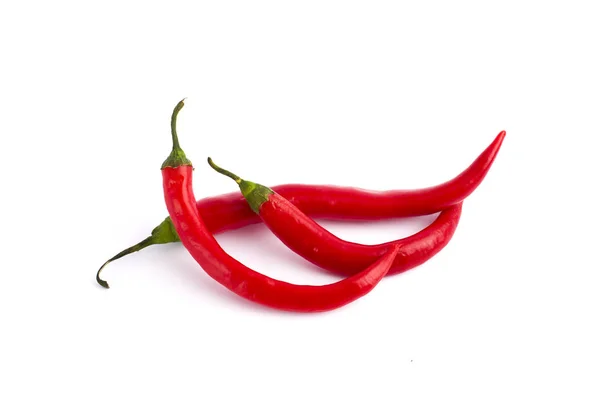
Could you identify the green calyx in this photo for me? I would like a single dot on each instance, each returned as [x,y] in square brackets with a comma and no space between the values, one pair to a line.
[163,233]
[255,194]
[177,157]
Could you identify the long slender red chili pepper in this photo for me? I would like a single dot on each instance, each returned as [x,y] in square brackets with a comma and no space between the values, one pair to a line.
[201,244]
[231,211]
[316,244]
[363,204]
[326,201]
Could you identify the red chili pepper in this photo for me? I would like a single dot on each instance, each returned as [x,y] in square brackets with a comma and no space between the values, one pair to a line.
[319,246]
[231,211]
[326,201]
[363,204]
[201,244]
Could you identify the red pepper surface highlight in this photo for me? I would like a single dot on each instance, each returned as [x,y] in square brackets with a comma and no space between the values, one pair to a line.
[316,244]
[245,282]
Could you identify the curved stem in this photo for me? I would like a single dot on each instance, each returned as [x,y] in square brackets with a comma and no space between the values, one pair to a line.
[220,170]
[177,157]
[150,240]
[176,110]
[254,193]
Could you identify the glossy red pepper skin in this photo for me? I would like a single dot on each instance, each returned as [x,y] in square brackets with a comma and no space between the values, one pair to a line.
[316,244]
[245,282]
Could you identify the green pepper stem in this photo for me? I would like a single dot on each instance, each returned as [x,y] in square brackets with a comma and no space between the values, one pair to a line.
[177,157]
[163,233]
[220,170]
[178,108]
[256,194]
[149,241]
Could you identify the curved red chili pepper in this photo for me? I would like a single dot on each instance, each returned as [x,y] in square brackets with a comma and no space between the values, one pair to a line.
[316,244]
[321,247]
[201,244]
[364,204]
[326,201]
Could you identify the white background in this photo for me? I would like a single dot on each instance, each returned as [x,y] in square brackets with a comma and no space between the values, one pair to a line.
[372,94]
